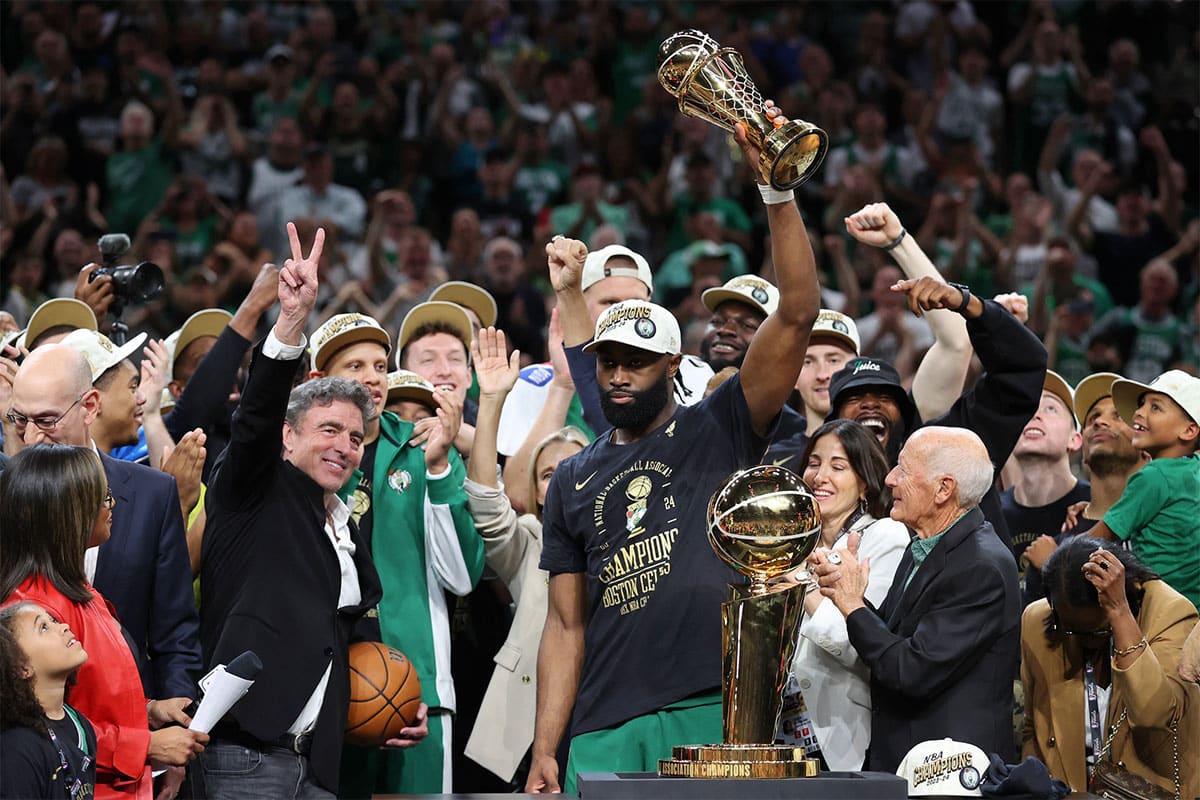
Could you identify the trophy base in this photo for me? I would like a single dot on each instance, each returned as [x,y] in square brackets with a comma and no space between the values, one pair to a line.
[842,785]
[738,761]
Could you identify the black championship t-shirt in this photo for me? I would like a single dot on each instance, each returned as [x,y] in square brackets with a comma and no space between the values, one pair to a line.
[1026,524]
[633,518]
[32,765]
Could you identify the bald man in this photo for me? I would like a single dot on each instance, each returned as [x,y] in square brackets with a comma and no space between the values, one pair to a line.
[143,568]
[943,646]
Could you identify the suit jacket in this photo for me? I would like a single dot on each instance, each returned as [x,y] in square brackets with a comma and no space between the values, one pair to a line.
[833,679]
[270,578]
[503,728]
[943,652]
[144,571]
[1150,691]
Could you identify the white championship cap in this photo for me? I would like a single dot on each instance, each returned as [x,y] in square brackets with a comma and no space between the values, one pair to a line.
[101,354]
[835,325]
[344,330]
[749,289]
[943,768]
[639,324]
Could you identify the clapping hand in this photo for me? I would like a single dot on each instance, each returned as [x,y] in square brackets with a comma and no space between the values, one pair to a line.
[443,430]
[842,578]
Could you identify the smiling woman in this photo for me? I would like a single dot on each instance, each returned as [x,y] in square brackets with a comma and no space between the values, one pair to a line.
[845,467]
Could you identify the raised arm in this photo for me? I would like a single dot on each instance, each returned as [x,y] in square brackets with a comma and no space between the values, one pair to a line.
[776,353]
[940,375]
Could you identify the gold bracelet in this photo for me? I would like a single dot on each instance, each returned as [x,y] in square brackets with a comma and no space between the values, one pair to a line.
[1129,650]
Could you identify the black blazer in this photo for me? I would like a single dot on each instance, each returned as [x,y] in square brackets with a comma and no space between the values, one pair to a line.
[269,579]
[143,570]
[943,653]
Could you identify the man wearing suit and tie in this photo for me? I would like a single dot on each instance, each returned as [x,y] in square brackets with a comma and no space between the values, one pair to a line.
[943,646]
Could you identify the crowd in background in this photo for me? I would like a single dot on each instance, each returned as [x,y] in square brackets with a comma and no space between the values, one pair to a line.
[440,141]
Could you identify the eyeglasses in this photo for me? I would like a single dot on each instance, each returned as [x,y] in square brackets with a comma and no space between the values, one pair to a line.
[1097,633]
[109,500]
[43,423]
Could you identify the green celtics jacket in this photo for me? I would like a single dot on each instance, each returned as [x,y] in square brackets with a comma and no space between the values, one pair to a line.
[424,543]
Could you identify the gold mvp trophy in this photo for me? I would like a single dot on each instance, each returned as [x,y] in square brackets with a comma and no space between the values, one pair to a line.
[763,522]
[711,83]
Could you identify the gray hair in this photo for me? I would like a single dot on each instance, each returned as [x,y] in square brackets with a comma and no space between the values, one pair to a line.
[497,242]
[962,455]
[325,392]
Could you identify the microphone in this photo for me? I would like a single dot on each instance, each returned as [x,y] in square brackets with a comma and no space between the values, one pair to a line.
[225,686]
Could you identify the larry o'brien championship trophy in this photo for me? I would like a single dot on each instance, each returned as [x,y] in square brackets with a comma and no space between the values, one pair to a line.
[711,83]
[763,522]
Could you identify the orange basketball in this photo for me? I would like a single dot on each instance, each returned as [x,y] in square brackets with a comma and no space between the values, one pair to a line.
[385,694]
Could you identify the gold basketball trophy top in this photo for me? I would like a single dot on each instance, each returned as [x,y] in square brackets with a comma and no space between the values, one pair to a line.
[711,83]
[763,522]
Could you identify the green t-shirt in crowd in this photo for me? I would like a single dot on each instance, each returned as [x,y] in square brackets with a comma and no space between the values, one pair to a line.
[137,181]
[1157,514]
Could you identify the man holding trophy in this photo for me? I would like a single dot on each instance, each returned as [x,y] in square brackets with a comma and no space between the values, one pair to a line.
[630,659]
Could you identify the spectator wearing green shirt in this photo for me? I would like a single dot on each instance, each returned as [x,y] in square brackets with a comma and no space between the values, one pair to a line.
[579,219]
[1059,282]
[1149,335]
[140,172]
[1158,511]
[701,195]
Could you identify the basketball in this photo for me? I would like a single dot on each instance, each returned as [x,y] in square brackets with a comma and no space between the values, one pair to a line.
[385,694]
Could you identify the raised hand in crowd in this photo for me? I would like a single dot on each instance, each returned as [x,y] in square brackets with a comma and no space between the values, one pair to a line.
[185,462]
[495,369]
[297,287]
[155,370]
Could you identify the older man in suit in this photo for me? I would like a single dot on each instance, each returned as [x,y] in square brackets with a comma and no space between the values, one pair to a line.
[943,646]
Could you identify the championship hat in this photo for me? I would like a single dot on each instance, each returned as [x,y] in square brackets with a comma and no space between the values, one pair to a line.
[344,330]
[99,351]
[405,385]
[1175,384]
[469,296]
[749,289]
[943,768]
[209,322]
[1092,390]
[434,311]
[835,325]
[56,312]
[1056,385]
[596,267]
[639,324]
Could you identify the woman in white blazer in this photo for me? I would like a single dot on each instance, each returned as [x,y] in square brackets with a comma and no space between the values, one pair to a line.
[512,545]
[845,467]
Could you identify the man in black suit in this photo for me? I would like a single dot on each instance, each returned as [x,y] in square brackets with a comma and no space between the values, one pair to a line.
[943,646]
[284,571]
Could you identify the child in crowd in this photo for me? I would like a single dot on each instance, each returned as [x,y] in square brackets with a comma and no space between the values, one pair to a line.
[1157,513]
[49,748]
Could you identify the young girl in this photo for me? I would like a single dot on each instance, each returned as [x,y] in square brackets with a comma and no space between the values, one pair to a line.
[48,746]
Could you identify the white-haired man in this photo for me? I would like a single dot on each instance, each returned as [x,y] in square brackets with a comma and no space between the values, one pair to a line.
[943,646]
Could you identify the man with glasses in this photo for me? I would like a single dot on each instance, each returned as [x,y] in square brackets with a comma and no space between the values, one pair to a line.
[143,568]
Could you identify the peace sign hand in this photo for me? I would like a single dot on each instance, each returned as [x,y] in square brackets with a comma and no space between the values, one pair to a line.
[298,287]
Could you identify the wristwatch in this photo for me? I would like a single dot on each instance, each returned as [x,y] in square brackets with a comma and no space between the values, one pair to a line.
[966,293]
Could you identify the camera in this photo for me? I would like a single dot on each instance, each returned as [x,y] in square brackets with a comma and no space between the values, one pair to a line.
[132,283]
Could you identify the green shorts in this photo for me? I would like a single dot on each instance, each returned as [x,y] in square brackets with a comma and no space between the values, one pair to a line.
[638,744]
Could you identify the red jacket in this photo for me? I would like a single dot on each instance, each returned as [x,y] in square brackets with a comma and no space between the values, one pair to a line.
[108,690]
